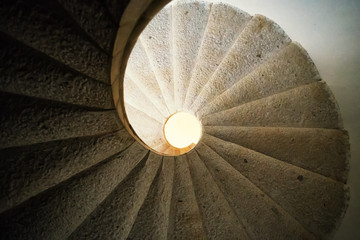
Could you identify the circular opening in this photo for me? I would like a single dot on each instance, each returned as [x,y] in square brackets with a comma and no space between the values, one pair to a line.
[182,130]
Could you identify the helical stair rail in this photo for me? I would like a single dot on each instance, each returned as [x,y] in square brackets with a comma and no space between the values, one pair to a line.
[87,86]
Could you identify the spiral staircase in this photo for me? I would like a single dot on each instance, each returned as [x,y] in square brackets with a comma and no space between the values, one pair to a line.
[86,87]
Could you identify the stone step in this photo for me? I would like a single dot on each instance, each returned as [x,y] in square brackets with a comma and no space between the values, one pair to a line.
[56,213]
[323,151]
[114,218]
[223,28]
[157,40]
[45,165]
[260,40]
[258,213]
[185,219]
[28,72]
[317,202]
[309,106]
[219,219]
[140,71]
[152,221]
[289,68]
[53,34]
[189,21]
[26,121]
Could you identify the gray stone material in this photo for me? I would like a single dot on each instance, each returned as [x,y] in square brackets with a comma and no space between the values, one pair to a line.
[116,8]
[317,202]
[219,219]
[324,151]
[30,170]
[289,68]
[261,216]
[42,29]
[26,121]
[310,106]
[152,221]
[93,18]
[25,71]
[185,219]
[56,213]
[114,218]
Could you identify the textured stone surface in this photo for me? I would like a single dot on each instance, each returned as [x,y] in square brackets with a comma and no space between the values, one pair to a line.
[153,218]
[114,218]
[51,34]
[94,19]
[185,219]
[25,71]
[289,68]
[260,40]
[261,216]
[310,106]
[317,202]
[55,214]
[25,121]
[224,25]
[219,219]
[324,151]
[28,171]
[189,23]
[116,8]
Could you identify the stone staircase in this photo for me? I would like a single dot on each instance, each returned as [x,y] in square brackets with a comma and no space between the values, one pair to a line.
[84,98]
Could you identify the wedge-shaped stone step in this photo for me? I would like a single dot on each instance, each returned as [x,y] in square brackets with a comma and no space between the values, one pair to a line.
[140,71]
[27,72]
[56,213]
[157,40]
[114,218]
[224,26]
[260,215]
[324,151]
[260,40]
[152,221]
[26,121]
[185,219]
[94,19]
[50,33]
[310,106]
[134,97]
[317,202]
[148,129]
[45,165]
[289,68]
[219,219]
[189,21]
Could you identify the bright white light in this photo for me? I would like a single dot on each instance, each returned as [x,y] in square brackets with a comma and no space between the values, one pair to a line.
[182,130]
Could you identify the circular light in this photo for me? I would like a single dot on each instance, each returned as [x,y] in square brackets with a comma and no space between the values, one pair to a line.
[182,130]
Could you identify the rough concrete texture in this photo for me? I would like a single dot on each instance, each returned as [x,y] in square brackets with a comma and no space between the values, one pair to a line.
[224,25]
[324,151]
[219,219]
[185,219]
[310,106]
[289,68]
[116,8]
[258,213]
[56,213]
[114,218]
[260,40]
[189,21]
[157,40]
[317,202]
[25,121]
[93,18]
[50,33]
[30,170]
[153,218]
[26,71]
[141,73]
